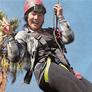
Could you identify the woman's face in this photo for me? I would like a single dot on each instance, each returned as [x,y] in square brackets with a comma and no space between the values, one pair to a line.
[35,20]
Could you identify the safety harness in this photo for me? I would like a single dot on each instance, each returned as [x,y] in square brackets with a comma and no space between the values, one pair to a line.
[62,62]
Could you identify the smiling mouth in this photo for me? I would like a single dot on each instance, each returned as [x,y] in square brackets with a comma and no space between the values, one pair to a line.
[35,22]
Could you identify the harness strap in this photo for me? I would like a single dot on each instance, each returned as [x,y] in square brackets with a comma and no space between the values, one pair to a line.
[63,66]
[39,38]
[46,78]
[57,51]
[46,70]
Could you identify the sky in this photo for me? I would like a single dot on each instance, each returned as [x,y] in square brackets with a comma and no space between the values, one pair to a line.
[79,15]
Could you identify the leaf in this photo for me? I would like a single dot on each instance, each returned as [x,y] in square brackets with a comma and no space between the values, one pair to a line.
[14,23]
[2,14]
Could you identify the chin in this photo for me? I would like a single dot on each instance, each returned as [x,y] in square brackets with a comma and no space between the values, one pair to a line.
[35,28]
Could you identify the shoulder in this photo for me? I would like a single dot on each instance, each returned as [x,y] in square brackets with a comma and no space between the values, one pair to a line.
[49,30]
[21,35]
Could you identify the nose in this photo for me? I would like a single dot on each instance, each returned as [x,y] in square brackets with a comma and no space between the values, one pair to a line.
[36,16]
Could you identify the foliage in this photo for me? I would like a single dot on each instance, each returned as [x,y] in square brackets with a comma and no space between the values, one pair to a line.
[7,26]
[13,23]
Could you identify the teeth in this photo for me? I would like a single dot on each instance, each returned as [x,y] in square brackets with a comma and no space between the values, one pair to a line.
[35,21]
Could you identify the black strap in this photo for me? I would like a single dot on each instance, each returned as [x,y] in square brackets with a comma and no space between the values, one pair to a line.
[59,54]
[39,38]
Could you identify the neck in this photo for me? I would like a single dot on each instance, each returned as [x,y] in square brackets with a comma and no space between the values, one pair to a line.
[38,30]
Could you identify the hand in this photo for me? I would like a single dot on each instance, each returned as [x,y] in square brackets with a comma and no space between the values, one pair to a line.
[6,26]
[58,10]
[78,75]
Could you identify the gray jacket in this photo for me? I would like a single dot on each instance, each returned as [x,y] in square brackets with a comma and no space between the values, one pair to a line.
[24,46]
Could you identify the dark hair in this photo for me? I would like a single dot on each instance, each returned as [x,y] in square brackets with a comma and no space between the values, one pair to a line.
[31,9]
[25,17]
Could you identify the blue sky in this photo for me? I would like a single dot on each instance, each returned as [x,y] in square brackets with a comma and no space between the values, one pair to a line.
[79,14]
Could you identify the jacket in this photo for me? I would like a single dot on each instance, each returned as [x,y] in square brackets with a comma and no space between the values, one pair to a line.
[26,48]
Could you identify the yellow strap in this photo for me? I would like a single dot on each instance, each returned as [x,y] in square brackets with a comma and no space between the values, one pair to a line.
[47,69]
[46,78]
[63,66]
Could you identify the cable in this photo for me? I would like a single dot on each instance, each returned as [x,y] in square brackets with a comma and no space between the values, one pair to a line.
[57,33]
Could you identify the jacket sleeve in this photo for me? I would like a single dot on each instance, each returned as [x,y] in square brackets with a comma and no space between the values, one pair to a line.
[16,47]
[67,33]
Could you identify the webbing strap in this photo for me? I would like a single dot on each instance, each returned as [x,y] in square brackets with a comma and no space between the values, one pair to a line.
[47,69]
[59,54]
[46,78]
[63,66]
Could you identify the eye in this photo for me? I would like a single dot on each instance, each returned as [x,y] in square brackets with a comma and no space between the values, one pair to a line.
[40,14]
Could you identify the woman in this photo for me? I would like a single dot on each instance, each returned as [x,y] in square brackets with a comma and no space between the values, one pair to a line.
[43,51]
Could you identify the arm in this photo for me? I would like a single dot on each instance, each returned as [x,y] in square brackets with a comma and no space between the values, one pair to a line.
[16,47]
[67,33]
